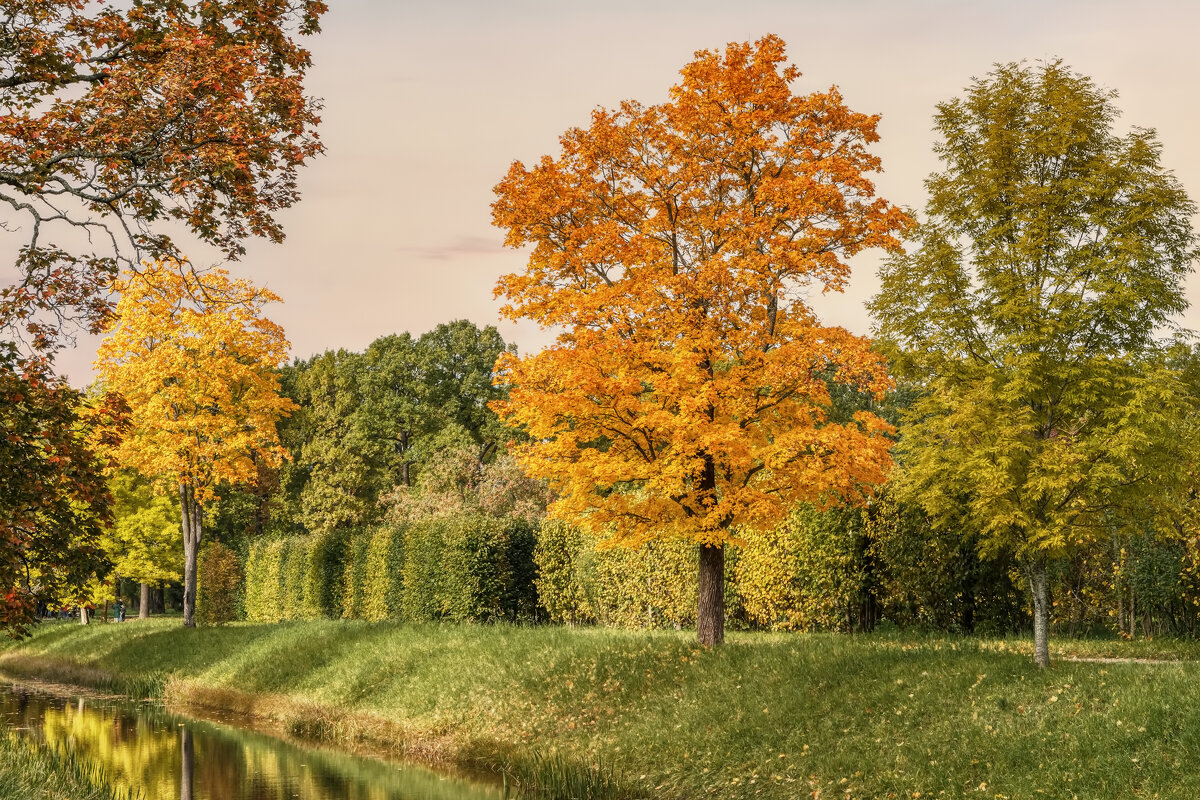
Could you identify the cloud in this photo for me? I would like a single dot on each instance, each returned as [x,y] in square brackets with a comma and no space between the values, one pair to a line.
[456,248]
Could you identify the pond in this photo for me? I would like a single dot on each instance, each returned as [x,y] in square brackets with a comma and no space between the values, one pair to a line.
[169,757]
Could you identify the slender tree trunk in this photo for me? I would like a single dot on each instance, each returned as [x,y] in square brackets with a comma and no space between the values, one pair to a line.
[1040,588]
[1132,613]
[144,601]
[710,606]
[710,611]
[192,532]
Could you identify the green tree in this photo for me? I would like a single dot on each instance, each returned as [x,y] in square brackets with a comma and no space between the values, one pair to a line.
[369,422]
[54,504]
[1052,252]
[328,483]
[144,539]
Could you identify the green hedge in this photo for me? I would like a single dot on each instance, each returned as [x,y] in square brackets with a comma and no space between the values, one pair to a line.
[219,585]
[580,581]
[323,576]
[354,573]
[383,584]
[264,581]
[469,568]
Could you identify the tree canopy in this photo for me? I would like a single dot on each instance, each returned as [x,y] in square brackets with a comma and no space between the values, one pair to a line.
[1052,255]
[675,245]
[118,118]
[198,365]
[54,505]
[369,422]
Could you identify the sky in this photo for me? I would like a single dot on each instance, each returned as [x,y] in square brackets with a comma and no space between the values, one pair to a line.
[427,103]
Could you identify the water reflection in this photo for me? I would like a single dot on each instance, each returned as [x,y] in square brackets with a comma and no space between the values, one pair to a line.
[167,757]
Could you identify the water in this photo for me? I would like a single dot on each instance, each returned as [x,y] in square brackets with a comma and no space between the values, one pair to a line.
[169,757]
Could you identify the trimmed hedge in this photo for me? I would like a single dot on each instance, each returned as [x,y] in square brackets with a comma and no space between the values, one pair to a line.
[579,580]
[462,568]
[354,574]
[383,583]
[469,568]
[219,585]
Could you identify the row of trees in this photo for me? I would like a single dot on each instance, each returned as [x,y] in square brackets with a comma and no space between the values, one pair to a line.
[692,395]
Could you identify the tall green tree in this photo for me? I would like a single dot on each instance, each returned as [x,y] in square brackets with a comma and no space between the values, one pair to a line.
[328,482]
[369,422]
[1052,253]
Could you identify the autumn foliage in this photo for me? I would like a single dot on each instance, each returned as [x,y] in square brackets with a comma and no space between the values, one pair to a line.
[118,117]
[675,245]
[196,362]
[54,502]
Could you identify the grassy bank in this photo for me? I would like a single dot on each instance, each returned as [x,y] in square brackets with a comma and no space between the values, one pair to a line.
[765,716]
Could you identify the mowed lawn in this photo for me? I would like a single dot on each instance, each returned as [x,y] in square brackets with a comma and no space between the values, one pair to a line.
[766,715]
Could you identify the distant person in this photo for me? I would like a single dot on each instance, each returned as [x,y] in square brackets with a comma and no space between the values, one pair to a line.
[120,611]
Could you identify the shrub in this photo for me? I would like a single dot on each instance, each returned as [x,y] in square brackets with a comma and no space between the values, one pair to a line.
[294,558]
[219,585]
[469,568]
[579,580]
[264,578]
[354,573]
[384,580]
[652,586]
[423,546]
[323,578]
[805,574]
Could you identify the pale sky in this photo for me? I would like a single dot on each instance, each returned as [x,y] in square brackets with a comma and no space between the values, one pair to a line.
[427,103]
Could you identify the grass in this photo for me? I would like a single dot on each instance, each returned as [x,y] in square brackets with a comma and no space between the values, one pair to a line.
[32,771]
[653,715]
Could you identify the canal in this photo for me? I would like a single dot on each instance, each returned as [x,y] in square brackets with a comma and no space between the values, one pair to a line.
[169,757]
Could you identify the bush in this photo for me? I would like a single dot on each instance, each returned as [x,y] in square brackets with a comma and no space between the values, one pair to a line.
[652,586]
[805,574]
[469,568]
[218,586]
[423,545]
[264,581]
[579,580]
[294,560]
[354,574]
[324,573]
[561,585]
[384,579]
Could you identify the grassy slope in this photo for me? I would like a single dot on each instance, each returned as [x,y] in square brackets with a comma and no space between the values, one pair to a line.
[764,716]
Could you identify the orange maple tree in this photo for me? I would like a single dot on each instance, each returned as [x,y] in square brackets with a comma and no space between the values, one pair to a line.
[674,245]
[116,118]
[197,364]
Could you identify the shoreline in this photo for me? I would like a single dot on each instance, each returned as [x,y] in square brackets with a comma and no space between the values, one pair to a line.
[651,714]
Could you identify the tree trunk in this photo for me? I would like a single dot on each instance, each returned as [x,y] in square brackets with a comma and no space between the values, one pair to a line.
[1040,588]
[192,532]
[710,611]
[144,601]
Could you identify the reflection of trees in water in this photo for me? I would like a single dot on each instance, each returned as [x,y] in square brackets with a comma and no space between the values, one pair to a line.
[135,752]
[151,751]
[188,759]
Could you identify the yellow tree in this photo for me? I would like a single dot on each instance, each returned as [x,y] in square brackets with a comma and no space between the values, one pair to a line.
[674,246]
[196,362]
